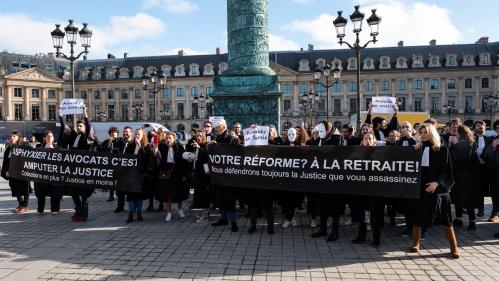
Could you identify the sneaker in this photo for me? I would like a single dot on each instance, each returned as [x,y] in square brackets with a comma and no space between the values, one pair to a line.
[294,222]
[54,213]
[348,221]
[286,224]
[313,224]
[493,218]
[168,217]
[202,219]
[181,213]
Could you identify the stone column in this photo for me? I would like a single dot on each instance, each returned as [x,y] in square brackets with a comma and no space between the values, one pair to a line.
[27,109]
[117,107]
[427,103]
[410,98]
[43,106]
[476,98]
[130,103]
[8,103]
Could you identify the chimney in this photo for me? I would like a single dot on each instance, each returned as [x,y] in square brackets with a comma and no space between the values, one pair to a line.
[126,55]
[483,40]
[182,53]
[110,56]
[400,44]
[433,42]
[310,47]
[217,50]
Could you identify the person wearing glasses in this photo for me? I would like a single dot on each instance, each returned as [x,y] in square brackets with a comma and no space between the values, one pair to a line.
[238,131]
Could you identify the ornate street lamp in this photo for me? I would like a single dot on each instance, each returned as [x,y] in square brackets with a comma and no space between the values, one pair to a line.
[357,18]
[493,104]
[71,36]
[307,103]
[149,81]
[326,72]
[203,101]
[450,107]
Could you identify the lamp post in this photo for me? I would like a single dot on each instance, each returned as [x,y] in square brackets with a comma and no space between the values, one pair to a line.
[137,108]
[450,107]
[357,18]
[150,81]
[307,103]
[326,72]
[493,105]
[71,34]
[203,101]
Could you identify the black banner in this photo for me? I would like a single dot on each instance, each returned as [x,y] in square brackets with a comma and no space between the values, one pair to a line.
[389,171]
[76,168]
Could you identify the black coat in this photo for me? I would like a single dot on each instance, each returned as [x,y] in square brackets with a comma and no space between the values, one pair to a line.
[17,187]
[393,125]
[466,192]
[43,189]
[434,208]
[175,186]
[491,158]
[116,146]
[143,155]
[410,141]
[201,180]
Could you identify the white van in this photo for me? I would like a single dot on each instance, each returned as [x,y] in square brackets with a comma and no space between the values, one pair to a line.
[101,128]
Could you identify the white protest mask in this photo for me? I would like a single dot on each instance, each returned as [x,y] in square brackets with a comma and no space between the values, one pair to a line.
[321,129]
[291,135]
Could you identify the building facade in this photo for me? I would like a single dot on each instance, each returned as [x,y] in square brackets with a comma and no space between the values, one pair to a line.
[422,78]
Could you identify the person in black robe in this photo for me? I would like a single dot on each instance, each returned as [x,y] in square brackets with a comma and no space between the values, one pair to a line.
[19,188]
[482,142]
[114,144]
[465,194]
[380,127]
[491,157]
[210,133]
[124,142]
[83,138]
[434,204]
[43,189]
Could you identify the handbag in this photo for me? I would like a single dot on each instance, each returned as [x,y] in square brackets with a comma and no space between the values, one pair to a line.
[164,174]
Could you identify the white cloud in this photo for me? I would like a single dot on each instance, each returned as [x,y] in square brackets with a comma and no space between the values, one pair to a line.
[279,43]
[414,23]
[35,35]
[187,51]
[172,6]
[304,2]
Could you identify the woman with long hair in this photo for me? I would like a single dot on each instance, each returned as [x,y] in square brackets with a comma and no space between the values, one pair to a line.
[19,188]
[171,177]
[201,177]
[465,163]
[42,189]
[434,204]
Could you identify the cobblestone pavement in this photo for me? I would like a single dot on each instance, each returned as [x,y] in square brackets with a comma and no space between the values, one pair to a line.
[51,247]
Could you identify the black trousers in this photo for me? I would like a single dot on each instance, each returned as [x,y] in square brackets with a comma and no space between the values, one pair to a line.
[260,200]
[55,204]
[485,186]
[81,205]
[469,210]
[376,207]
[121,200]
[23,200]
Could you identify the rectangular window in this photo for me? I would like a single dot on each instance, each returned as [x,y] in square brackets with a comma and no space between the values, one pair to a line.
[435,104]
[195,110]
[166,93]
[110,112]
[385,85]
[336,107]
[451,61]
[51,112]
[434,84]
[451,83]
[83,95]
[124,94]
[368,86]
[352,87]
[209,90]
[452,100]
[194,91]
[97,113]
[287,107]
[1,93]
[165,112]
[485,104]
[418,104]
[18,92]
[124,112]
[18,112]
[51,94]
[320,88]
[321,107]
[468,104]
[337,87]
[304,88]
[35,112]
[180,92]
[418,84]
[368,101]
[194,70]
[110,94]
[1,112]
[152,111]
[401,85]
[97,95]
[137,94]
[485,83]
[151,95]
[35,93]
[402,103]
[180,110]
[468,83]
[353,105]
[68,95]
[287,89]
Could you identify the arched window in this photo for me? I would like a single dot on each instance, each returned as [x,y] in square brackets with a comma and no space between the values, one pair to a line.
[137,72]
[124,73]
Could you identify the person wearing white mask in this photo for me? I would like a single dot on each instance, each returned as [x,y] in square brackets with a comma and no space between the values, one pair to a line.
[434,204]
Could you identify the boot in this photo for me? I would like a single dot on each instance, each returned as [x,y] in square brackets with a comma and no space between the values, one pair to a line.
[233,227]
[416,233]
[130,217]
[335,227]
[454,251]
[376,236]
[270,221]
[150,207]
[322,230]
[361,237]
[139,216]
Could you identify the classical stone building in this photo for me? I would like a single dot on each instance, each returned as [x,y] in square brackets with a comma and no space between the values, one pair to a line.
[423,78]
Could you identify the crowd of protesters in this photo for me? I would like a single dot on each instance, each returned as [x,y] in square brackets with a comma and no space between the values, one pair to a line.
[460,166]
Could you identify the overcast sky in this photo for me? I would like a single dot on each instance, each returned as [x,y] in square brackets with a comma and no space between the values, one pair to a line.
[162,27]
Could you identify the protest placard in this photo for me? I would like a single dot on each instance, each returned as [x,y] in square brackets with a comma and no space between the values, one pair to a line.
[258,135]
[216,120]
[72,106]
[383,105]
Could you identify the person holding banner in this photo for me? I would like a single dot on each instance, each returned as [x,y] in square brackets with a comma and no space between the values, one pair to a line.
[42,189]
[126,140]
[114,144]
[83,138]
[19,188]
[434,204]
[491,157]
[172,175]
[381,129]
[141,148]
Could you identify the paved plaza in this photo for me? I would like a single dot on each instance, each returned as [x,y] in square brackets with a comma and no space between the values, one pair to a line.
[48,247]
